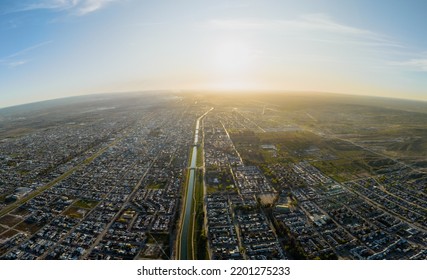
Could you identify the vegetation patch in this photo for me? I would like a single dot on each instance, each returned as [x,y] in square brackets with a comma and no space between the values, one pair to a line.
[154,186]
[29,227]
[86,204]
[75,212]
[343,169]
[10,220]
[8,234]
[200,239]
[20,211]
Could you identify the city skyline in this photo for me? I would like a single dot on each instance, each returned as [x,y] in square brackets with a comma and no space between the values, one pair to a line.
[58,48]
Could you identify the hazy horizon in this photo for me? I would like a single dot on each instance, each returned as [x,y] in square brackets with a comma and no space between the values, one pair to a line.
[53,49]
[208,92]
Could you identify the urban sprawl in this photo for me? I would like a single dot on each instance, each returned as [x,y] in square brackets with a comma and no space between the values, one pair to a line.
[112,186]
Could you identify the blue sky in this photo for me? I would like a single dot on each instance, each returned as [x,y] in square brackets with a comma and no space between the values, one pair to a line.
[55,48]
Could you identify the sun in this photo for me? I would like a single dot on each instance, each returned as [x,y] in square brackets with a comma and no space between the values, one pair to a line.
[232,58]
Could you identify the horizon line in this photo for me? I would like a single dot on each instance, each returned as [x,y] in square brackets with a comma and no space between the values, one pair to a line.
[230,91]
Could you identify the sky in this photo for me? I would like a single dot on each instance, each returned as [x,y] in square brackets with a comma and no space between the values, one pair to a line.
[56,48]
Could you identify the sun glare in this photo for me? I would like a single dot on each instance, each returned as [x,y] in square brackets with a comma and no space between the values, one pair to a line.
[232,57]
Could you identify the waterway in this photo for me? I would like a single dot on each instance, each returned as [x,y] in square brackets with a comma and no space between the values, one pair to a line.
[186,229]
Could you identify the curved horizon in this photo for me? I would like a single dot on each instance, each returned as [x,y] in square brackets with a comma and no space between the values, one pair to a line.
[211,91]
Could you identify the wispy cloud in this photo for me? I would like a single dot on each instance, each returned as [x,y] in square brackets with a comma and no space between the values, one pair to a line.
[18,58]
[13,64]
[26,50]
[308,22]
[240,24]
[315,23]
[325,23]
[355,45]
[76,7]
[416,64]
[89,6]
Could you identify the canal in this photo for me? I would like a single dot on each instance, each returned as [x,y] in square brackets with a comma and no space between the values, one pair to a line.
[185,242]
